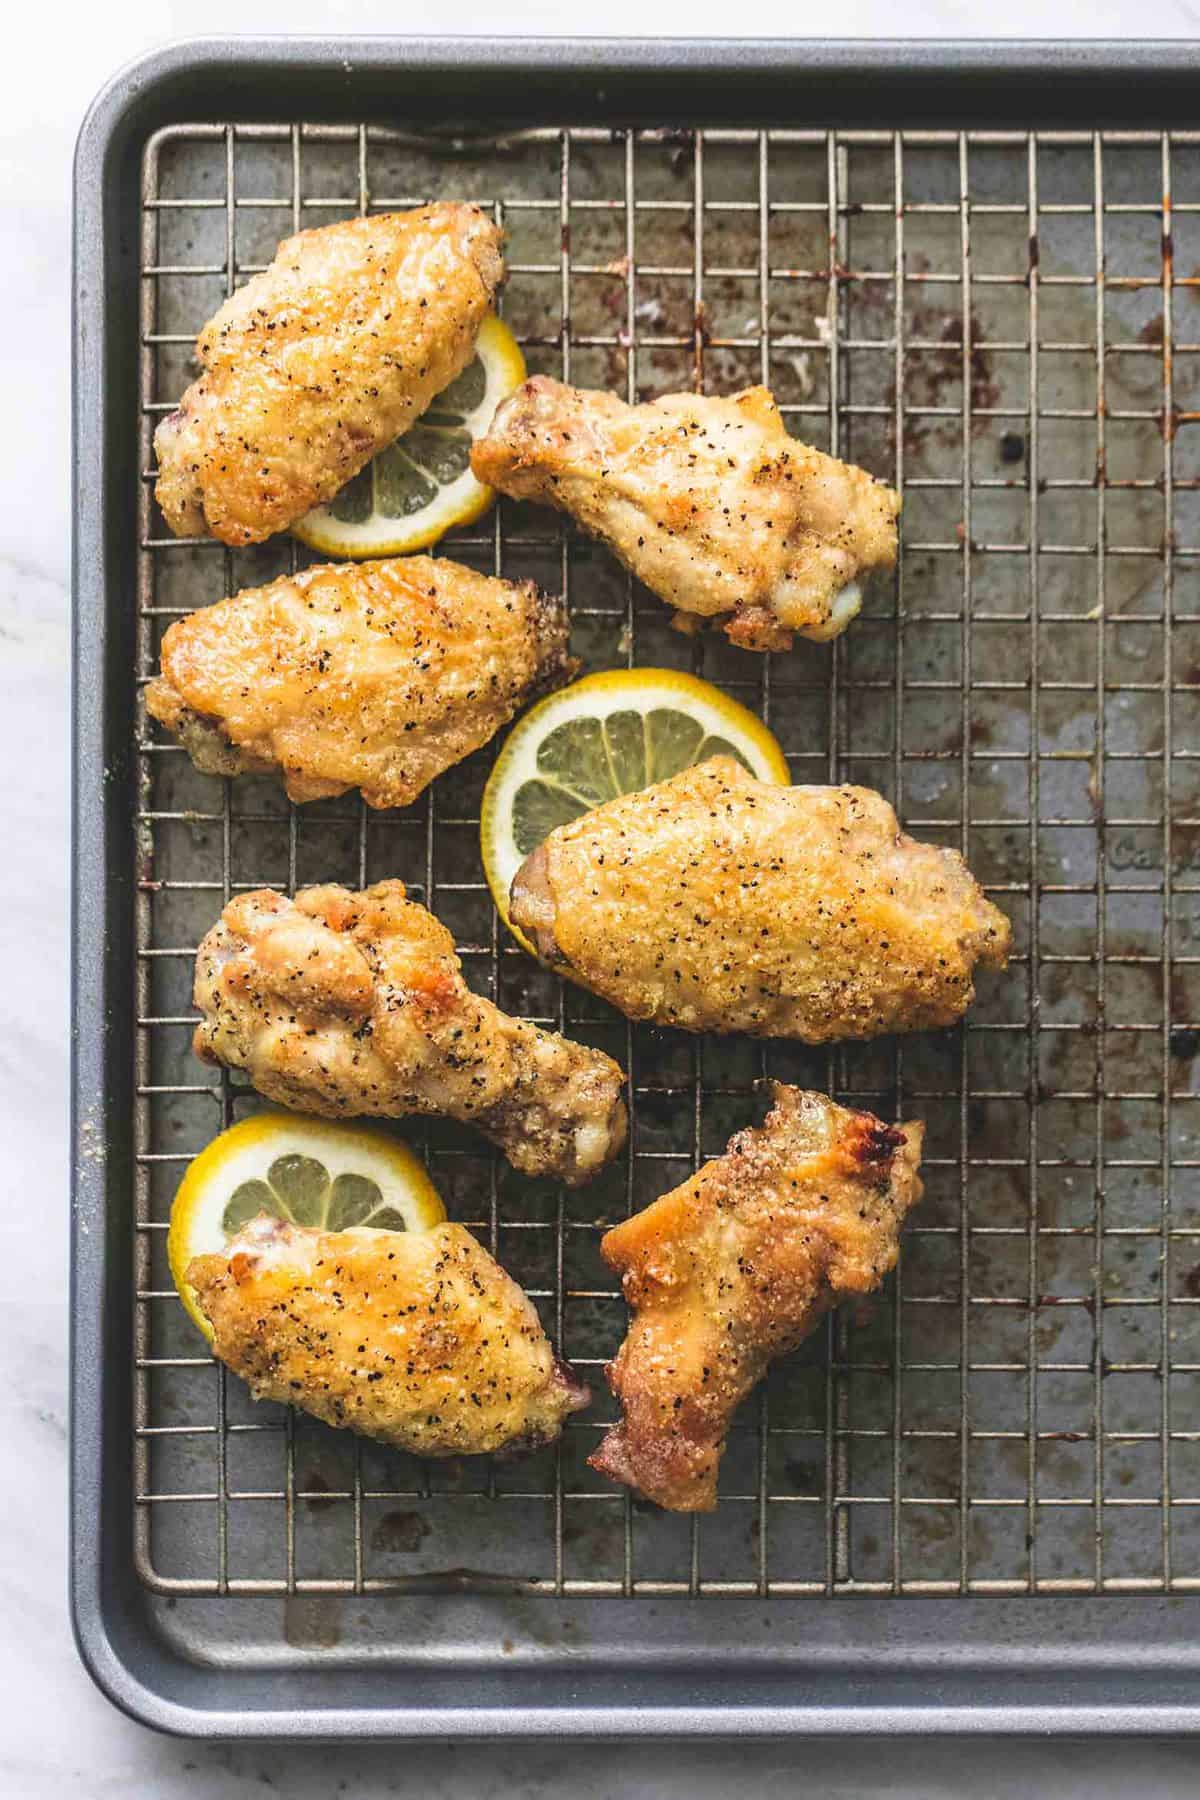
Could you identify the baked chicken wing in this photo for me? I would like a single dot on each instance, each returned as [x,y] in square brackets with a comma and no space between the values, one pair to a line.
[372,675]
[734,1268]
[717,902]
[319,362]
[418,1339]
[708,501]
[341,1004]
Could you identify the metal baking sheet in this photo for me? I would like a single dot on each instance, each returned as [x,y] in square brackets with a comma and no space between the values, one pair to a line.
[989,1475]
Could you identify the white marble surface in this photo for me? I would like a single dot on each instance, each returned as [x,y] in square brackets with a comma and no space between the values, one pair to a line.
[58,1733]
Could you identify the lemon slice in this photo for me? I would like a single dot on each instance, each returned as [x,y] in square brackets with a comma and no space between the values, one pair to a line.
[307,1171]
[606,735]
[422,486]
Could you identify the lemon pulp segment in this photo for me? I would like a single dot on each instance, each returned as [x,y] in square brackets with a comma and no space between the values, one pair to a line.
[421,486]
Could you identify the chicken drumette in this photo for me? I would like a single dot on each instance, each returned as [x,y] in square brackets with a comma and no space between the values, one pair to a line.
[418,1339]
[736,1267]
[709,501]
[717,902]
[372,675]
[320,361]
[341,1003]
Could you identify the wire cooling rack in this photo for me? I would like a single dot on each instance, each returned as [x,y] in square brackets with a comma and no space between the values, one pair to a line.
[1005,326]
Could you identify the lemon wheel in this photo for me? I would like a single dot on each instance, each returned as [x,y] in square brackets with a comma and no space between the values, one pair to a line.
[609,734]
[422,486]
[307,1171]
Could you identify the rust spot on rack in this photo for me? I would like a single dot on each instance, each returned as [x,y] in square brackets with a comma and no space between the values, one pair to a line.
[984,388]
[929,373]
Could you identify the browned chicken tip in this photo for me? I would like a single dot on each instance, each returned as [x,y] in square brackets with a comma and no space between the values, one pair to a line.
[418,1339]
[375,675]
[716,902]
[736,1267]
[316,364]
[707,500]
[340,1004]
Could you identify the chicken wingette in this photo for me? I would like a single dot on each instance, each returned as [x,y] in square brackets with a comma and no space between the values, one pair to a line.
[316,364]
[717,902]
[418,1338]
[374,675]
[734,1268]
[340,1004]
[708,501]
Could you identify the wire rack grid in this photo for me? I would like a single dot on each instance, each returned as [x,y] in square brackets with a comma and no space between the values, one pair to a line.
[1003,324]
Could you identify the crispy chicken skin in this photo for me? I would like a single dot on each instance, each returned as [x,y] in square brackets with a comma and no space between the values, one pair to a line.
[709,501]
[341,1004]
[734,1268]
[717,902]
[375,675]
[320,361]
[418,1339]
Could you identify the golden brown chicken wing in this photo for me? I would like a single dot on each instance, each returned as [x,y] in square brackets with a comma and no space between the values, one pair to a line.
[736,1267]
[320,361]
[340,1004]
[418,1339]
[709,501]
[373,675]
[717,902]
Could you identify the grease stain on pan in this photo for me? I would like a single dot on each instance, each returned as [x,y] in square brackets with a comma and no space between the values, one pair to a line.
[312,1621]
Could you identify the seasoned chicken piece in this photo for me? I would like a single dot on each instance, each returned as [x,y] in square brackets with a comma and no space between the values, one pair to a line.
[734,1268]
[709,501]
[341,1004]
[418,1339]
[374,675]
[320,361]
[717,902]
